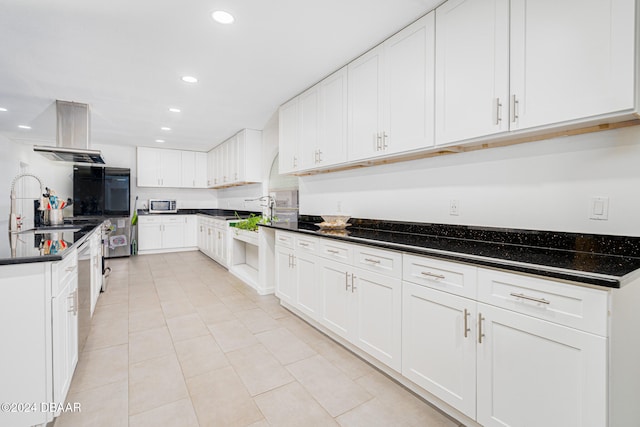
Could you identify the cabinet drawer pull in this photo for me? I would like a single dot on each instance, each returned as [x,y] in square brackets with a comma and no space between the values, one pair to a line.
[282,239]
[378,142]
[319,156]
[429,274]
[384,140]
[498,111]
[346,281]
[466,323]
[353,285]
[374,261]
[333,251]
[303,244]
[516,104]
[523,296]
[70,269]
[480,333]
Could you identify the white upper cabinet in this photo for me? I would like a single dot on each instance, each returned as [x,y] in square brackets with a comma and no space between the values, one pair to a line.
[237,160]
[308,128]
[570,60]
[289,137]
[201,170]
[188,161]
[471,69]
[332,119]
[159,167]
[408,105]
[365,105]
[391,94]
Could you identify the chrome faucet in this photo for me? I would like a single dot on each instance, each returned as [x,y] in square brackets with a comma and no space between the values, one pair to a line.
[13,219]
[271,202]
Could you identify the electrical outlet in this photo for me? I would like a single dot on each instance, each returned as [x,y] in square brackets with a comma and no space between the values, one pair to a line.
[454,207]
[599,208]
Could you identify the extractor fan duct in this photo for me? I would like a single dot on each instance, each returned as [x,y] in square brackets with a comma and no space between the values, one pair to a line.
[72,138]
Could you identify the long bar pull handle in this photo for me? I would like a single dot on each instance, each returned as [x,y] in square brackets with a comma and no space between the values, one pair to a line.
[467,329]
[378,142]
[480,333]
[516,105]
[353,285]
[523,296]
[429,274]
[346,281]
[384,140]
[319,156]
[498,111]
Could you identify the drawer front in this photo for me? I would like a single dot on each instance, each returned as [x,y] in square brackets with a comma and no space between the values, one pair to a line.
[380,261]
[173,219]
[337,251]
[284,239]
[455,278]
[66,268]
[570,305]
[149,219]
[306,244]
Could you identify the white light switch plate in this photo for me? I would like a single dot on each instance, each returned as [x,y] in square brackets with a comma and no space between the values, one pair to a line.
[599,208]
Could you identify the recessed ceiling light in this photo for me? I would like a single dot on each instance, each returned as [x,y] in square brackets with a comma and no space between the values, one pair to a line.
[174,110]
[160,141]
[24,127]
[165,128]
[3,109]
[222,17]
[189,79]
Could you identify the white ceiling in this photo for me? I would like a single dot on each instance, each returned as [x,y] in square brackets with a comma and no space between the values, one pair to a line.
[125,58]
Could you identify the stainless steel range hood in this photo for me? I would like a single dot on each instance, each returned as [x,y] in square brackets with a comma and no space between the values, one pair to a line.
[72,139]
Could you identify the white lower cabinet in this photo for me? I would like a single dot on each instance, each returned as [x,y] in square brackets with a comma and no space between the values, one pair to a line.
[439,345]
[336,302]
[285,275]
[533,372]
[95,268]
[167,232]
[212,238]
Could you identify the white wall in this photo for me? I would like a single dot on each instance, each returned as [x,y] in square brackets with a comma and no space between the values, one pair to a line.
[542,185]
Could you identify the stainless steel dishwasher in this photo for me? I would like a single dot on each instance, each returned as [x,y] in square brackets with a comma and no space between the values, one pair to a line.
[84,293]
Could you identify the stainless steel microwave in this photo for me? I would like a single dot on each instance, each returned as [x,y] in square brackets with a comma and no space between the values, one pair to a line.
[163,206]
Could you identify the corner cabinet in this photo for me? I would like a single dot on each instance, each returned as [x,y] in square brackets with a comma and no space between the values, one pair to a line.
[237,161]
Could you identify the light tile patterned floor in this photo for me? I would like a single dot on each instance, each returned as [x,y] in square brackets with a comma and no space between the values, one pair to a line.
[178,341]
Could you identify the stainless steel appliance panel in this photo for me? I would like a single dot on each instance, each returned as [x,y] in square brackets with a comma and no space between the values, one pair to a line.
[117,240]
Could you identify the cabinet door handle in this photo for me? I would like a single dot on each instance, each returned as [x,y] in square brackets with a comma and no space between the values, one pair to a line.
[319,156]
[498,111]
[333,251]
[282,239]
[384,140]
[289,260]
[466,323]
[516,105]
[303,244]
[346,281]
[353,285]
[315,157]
[374,261]
[429,274]
[480,333]
[523,296]
[378,142]
[295,161]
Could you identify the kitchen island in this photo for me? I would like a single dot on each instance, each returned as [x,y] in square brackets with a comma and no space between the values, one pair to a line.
[493,326]
[40,305]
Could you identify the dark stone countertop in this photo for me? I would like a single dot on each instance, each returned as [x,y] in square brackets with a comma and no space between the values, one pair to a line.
[45,244]
[226,214]
[601,260]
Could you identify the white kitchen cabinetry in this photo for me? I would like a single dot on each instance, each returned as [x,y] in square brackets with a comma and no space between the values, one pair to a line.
[534,372]
[568,67]
[237,161]
[212,238]
[95,242]
[164,233]
[512,65]
[439,345]
[289,137]
[471,69]
[64,317]
[308,128]
[211,168]
[170,168]
[391,94]
[332,120]
[285,274]
[194,169]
